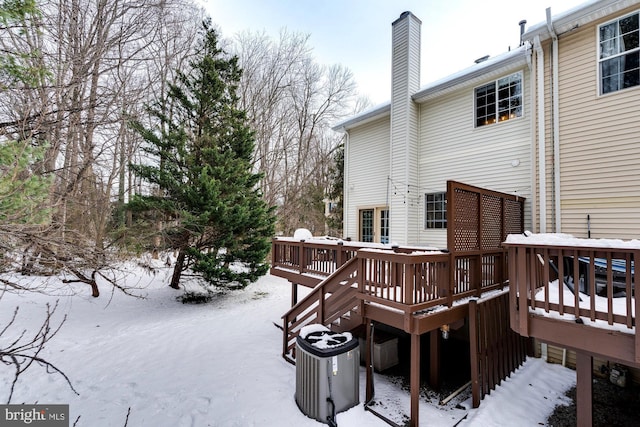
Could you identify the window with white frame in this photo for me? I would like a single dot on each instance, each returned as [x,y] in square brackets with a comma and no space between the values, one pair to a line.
[435,210]
[384,226]
[366,225]
[499,101]
[619,54]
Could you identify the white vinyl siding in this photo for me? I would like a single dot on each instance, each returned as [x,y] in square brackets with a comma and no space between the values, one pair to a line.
[599,145]
[493,157]
[367,171]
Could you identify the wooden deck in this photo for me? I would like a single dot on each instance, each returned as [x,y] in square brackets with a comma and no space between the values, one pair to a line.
[421,290]
[596,317]
[416,290]
[402,287]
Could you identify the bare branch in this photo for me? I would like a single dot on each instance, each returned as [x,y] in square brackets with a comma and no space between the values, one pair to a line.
[22,352]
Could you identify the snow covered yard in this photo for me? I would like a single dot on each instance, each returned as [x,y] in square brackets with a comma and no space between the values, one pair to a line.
[158,362]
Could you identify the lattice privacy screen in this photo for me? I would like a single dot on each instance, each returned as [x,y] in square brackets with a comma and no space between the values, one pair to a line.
[481,219]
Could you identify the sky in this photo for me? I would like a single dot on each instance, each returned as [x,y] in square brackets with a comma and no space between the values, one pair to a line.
[357,33]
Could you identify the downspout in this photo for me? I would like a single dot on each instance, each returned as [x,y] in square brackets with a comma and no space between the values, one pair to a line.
[542,173]
[346,192]
[554,123]
[532,123]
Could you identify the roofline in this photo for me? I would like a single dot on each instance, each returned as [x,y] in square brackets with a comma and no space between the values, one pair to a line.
[366,116]
[577,17]
[516,57]
[562,23]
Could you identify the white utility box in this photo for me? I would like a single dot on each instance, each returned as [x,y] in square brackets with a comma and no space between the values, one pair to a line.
[385,352]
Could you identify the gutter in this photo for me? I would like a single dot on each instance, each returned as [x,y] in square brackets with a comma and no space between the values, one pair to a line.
[579,16]
[555,123]
[366,116]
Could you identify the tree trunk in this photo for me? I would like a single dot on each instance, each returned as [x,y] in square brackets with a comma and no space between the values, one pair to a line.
[177,270]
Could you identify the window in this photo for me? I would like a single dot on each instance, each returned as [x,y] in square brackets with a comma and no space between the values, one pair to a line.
[366,225]
[384,226]
[499,101]
[619,54]
[436,210]
[374,225]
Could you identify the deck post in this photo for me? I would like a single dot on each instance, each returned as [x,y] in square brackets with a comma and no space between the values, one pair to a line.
[415,380]
[636,259]
[584,389]
[368,361]
[340,255]
[274,248]
[294,294]
[434,359]
[473,344]
[522,288]
[475,270]
[302,256]
[294,301]
[285,337]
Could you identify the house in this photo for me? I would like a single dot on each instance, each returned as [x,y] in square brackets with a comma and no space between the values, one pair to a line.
[546,133]
[574,156]
[422,295]
[587,151]
[399,155]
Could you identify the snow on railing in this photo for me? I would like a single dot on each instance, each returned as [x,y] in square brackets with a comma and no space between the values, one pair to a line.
[399,276]
[590,281]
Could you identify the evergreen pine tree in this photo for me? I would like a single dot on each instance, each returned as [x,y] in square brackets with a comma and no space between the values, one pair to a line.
[15,66]
[23,192]
[336,191]
[207,191]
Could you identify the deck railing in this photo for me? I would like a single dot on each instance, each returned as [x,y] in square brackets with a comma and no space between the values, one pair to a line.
[318,257]
[478,271]
[402,275]
[408,280]
[577,283]
[325,304]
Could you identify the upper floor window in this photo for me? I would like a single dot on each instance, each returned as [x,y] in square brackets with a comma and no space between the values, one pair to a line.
[499,100]
[435,210]
[619,55]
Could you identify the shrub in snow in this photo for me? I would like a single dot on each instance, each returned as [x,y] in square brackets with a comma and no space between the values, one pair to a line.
[195,297]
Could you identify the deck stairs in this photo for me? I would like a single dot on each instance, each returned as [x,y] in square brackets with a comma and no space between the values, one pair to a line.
[332,303]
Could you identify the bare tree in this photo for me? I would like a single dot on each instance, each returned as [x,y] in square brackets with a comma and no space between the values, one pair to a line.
[292,102]
[103,60]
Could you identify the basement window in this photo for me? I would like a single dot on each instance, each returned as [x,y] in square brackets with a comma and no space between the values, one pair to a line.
[619,54]
[435,210]
[499,100]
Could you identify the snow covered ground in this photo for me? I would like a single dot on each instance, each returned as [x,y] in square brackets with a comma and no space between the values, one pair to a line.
[157,362]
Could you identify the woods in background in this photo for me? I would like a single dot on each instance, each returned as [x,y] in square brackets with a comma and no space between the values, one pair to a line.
[74,75]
